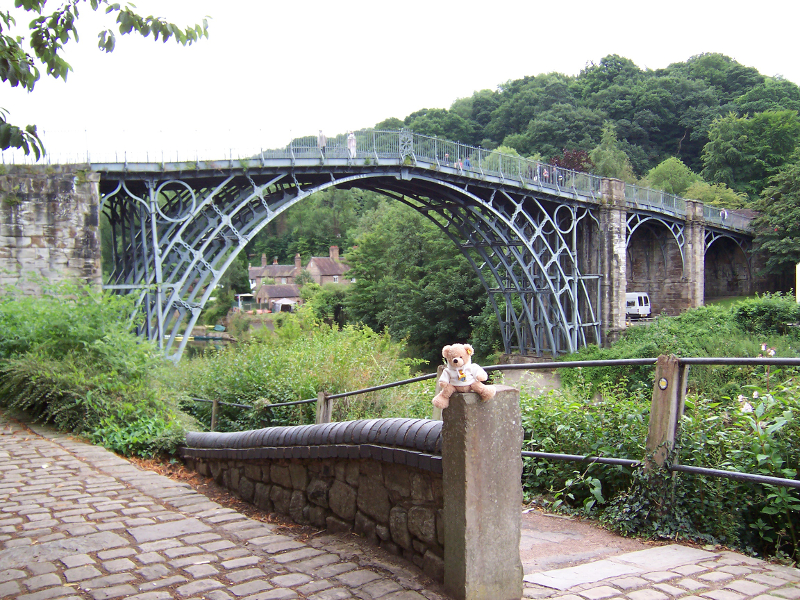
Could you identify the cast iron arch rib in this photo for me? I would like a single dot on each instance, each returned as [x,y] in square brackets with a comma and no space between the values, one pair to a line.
[176,227]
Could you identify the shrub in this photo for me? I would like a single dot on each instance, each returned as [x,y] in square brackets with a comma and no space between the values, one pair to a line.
[705,331]
[768,314]
[573,422]
[70,358]
[301,358]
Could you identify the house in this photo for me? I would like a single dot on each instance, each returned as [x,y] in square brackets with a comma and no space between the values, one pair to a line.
[278,296]
[328,269]
[280,274]
[267,279]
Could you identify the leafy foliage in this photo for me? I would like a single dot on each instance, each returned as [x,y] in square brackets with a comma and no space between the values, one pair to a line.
[70,358]
[705,331]
[672,176]
[778,226]
[752,432]
[302,357]
[743,152]
[411,280]
[767,315]
[21,56]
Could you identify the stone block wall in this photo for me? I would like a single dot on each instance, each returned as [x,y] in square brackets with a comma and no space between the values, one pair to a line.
[655,266]
[395,506]
[49,224]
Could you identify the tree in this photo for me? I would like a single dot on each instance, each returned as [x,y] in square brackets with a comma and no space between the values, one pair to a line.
[773,94]
[577,160]
[609,159]
[671,176]
[413,282]
[743,152]
[561,126]
[778,225]
[716,194]
[390,124]
[22,57]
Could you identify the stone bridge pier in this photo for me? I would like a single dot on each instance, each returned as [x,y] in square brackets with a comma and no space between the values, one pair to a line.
[667,264]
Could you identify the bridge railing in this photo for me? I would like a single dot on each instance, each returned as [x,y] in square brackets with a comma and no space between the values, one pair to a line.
[725,218]
[380,144]
[639,197]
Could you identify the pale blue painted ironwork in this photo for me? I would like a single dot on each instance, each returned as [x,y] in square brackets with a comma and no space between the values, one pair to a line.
[176,227]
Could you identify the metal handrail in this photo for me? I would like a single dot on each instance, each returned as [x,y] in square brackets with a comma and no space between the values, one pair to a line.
[609,460]
[455,157]
[567,364]
[625,462]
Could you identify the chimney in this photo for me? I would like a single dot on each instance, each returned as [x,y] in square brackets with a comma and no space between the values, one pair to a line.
[298,262]
[263,260]
[335,253]
[275,261]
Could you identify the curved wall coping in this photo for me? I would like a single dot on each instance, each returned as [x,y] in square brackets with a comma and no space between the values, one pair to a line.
[421,435]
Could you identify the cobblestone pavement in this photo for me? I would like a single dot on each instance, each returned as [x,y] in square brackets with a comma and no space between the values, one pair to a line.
[77,522]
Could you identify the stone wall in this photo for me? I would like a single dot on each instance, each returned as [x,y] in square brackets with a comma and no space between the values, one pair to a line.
[655,266]
[393,505]
[49,224]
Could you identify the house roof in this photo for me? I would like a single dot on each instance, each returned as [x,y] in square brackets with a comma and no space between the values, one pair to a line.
[286,290]
[327,266]
[272,271]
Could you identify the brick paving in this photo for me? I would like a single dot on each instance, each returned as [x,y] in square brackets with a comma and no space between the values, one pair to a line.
[78,522]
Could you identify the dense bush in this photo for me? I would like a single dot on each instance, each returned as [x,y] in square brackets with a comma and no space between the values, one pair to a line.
[754,432]
[300,359]
[69,357]
[770,314]
[574,422]
[705,331]
[737,418]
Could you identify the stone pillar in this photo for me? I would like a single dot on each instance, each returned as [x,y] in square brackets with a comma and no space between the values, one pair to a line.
[694,255]
[49,225]
[613,257]
[481,478]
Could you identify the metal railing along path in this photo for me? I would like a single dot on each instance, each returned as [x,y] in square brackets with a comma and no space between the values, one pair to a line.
[376,145]
[685,363]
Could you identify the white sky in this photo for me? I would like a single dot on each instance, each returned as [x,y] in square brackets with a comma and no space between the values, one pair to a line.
[273,69]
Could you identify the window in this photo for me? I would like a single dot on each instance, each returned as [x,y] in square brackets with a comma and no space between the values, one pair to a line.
[335,279]
[283,279]
[353,280]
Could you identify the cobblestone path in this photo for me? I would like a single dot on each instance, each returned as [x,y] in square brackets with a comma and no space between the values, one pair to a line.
[78,522]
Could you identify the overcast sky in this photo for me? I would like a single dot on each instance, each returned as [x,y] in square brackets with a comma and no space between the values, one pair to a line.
[271,70]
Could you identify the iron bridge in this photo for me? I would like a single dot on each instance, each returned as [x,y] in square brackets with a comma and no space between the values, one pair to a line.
[528,229]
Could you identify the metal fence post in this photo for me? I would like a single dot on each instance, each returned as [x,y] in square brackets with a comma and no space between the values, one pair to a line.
[324,408]
[214,413]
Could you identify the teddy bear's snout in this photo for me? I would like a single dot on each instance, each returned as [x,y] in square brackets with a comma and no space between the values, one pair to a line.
[458,361]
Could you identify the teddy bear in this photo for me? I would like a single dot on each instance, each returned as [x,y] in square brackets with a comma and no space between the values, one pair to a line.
[461,375]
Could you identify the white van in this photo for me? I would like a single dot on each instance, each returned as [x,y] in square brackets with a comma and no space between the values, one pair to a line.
[637,305]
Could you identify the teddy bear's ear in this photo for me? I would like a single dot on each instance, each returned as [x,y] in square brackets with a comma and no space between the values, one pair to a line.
[444,351]
[470,350]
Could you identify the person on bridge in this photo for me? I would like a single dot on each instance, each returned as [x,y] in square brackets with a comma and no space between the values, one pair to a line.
[322,141]
[351,144]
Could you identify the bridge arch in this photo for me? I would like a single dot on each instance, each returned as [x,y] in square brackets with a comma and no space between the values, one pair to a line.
[655,255]
[174,239]
[728,265]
